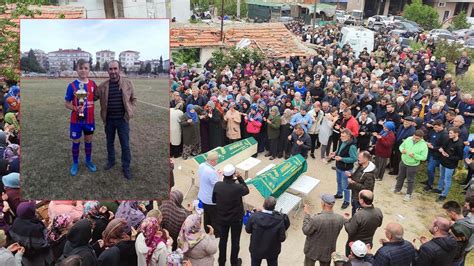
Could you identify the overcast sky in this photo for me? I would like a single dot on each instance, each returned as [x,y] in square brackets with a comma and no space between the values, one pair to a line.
[149,37]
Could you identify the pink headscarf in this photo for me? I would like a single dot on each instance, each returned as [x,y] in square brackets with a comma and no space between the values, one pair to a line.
[149,228]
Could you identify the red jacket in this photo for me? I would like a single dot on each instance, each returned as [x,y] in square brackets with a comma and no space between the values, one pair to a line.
[353,126]
[384,146]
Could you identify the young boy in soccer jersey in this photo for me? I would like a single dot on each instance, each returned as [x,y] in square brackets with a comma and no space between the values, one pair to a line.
[82,115]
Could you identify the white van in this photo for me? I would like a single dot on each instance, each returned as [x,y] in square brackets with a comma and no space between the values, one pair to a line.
[358,38]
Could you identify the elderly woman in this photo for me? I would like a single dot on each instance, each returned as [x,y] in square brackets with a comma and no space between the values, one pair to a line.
[175,130]
[198,247]
[215,126]
[273,131]
[285,131]
[153,245]
[119,246]
[233,119]
[56,235]
[190,128]
[173,214]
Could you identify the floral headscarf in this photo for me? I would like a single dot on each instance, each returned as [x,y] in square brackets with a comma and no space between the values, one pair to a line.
[191,232]
[130,212]
[149,228]
[12,152]
[60,223]
[91,208]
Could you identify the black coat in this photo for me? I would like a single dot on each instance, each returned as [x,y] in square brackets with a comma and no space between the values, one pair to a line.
[455,150]
[227,196]
[438,251]
[268,231]
[122,254]
[216,136]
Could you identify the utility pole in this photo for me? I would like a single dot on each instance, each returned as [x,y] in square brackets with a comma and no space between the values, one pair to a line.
[314,13]
[222,21]
[238,9]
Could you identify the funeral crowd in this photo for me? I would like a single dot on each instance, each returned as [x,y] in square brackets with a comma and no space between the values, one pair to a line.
[393,110]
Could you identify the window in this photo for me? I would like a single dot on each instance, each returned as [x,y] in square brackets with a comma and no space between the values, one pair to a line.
[442,4]
[446,15]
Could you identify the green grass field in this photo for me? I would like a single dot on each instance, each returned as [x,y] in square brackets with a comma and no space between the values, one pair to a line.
[46,146]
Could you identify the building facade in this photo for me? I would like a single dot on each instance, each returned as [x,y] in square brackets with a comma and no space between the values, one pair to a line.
[179,9]
[104,56]
[129,60]
[64,59]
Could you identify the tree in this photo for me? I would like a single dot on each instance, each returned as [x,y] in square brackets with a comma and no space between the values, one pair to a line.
[460,21]
[188,56]
[106,66]
[30,63]
[234,56]
[230,6]
[424,15]
[10,37]
[148,68]
[97,66]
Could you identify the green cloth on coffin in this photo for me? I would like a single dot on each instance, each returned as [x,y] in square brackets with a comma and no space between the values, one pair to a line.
[228,151]
[278,179]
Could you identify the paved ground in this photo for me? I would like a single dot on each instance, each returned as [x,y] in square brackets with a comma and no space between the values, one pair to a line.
[415,216]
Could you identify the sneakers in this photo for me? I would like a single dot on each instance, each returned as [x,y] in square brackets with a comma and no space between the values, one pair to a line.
[127,174]
[437,191]
[110,165]
[333,167]
[268,155]
[272,158]
[427,188]
[344,205]
[91,166]
[74,168]
[394,190]
[408,197]
[338,196]
[312,156]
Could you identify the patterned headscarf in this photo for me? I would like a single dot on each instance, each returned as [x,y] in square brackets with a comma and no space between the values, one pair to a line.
[149,228]
[60,222]
[12,152]
[130,212]
[191,232]
[91,208]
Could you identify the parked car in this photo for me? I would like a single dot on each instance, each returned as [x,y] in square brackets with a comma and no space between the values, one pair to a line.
[435,32]
[410,30]
[464,34]
[378,20]
[447,37]
[469,43]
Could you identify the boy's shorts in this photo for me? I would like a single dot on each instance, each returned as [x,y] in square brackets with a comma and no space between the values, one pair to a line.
[77,129]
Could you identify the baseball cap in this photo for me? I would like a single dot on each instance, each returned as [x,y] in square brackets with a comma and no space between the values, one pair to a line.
[359,248]
[229,170]
[328,199]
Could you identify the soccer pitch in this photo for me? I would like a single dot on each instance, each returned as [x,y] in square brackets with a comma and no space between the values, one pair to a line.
[46,146]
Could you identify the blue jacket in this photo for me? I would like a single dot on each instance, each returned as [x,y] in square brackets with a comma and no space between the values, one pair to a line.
[300,119]
[403,133]
[395,253]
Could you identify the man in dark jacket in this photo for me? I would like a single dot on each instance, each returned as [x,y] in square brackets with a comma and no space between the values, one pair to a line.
[300,141]
[404,131]
[228,195]
[322,231]
[462,228]
[451,152]
[364,223]
[395,250]
[440,250]
[269,227]
[436,137]
[362,178]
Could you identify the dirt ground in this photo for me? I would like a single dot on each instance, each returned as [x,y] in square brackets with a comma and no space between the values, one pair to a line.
[414,216]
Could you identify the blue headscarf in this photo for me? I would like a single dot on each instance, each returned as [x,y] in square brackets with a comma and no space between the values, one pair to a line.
[14,91]
[390,126]
[193,116]
[254,107]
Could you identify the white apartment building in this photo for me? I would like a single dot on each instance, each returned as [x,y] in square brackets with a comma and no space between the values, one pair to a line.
[129,59]
[104,56]
[63,59]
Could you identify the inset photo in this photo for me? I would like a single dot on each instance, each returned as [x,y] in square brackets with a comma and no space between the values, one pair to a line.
[94,115]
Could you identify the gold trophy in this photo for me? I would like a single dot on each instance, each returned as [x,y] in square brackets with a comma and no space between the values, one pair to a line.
[81,95]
